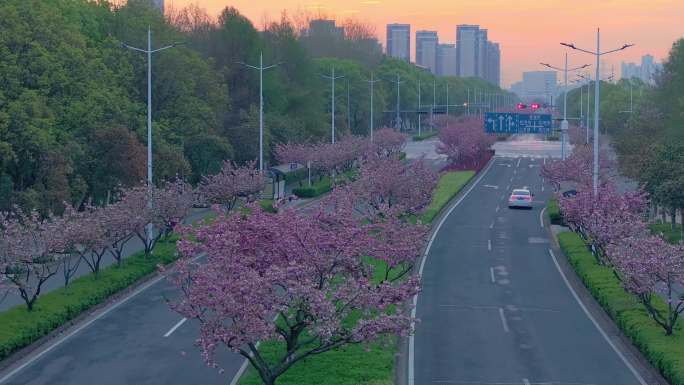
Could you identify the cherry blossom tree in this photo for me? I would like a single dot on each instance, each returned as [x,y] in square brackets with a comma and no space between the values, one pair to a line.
[309,272]
[30,251]
[135,205]
[650,267]
[87,237]
[172,203]
[606,218]
[119,228]
[388,182]
[231,184]
[464,141]
[387,141]
[576,168]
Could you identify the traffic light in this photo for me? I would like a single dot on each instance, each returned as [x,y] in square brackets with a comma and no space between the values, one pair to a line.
[535,106]
[521,106]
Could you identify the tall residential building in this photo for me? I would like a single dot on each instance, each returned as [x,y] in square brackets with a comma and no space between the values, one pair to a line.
[399,41]
[467,48]
[482,48]
[159,4]
[426,49]
[539,85]
[446,60]
[646,71]
[493,63]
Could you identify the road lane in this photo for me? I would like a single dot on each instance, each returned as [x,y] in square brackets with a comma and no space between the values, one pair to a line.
[526,327]
[127,346]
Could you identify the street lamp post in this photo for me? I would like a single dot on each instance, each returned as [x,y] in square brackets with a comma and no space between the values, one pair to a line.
[372,82]
[261,69]
[149,51]
[419,128]
[398,117]
[332,78]
[598,55]
[564,123]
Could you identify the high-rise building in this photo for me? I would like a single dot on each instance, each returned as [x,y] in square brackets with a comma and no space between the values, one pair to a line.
[399,41]
[482,50]
[539,85]
[446,60]
[493,63]
[467,48]
[646,71]
[159,4]
[426,49]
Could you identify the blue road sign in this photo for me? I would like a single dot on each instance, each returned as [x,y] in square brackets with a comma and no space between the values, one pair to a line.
[534,123]
[501,122]
[515,123]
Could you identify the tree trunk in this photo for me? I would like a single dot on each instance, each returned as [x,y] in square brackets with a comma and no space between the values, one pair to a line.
[673,215]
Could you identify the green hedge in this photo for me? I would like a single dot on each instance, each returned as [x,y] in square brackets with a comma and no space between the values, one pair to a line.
[664,352]
[318,188]
[448,186]
[553,209]
[19,327]
[424,135]
[670,234]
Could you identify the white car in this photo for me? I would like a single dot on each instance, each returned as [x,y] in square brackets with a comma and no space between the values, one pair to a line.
[520,198]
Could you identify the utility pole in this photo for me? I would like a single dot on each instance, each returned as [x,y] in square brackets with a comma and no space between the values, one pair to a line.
[598,55]
[348,108]
[564,123]
[398,117]
[332,78]
[419,106]
[149,51]
[372,82]
[261,69]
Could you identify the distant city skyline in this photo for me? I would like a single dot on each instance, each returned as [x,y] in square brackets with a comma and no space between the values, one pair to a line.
[527,31]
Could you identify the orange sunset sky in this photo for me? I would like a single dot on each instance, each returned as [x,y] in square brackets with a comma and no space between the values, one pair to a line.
[528,30]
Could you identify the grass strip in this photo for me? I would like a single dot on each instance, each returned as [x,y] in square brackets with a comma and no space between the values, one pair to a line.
[671,235]
[424,135]
[449,184]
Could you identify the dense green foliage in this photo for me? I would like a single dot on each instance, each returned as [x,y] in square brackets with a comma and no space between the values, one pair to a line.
[317,188]
[448,186]
[19,327]
[664,352]
[73,101]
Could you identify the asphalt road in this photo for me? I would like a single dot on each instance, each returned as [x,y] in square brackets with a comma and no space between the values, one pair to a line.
[494,308]
[128,346]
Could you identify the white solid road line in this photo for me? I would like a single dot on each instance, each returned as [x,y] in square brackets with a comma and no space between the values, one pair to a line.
[78,329]
[411,358]
[541,217]
[598,327]
[491,272]
[492,225]
[518,165]
[61,340]
[176,326]
[503,319]
[526,381]
[489,244]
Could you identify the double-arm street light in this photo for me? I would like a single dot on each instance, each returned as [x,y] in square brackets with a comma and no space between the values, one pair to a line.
[261,69]
[564,123]
[598,55]
[149,51]
[398,117]
[332,78]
